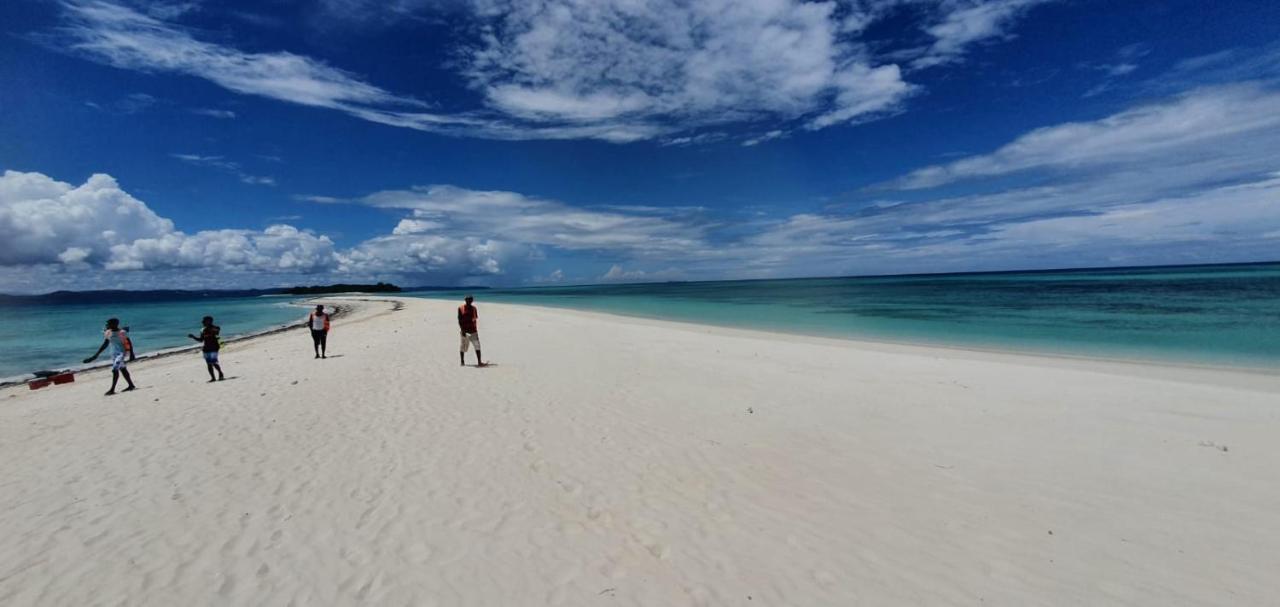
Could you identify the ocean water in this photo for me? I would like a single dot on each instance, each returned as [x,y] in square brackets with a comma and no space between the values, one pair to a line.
[1217,315]
[55,336]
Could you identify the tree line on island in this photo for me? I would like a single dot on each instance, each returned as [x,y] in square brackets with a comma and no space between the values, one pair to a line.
[381,287]
[122,296]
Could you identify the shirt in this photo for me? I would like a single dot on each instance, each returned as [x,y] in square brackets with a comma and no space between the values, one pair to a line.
[467,318]
[318,321]
[209,335]
[116,341]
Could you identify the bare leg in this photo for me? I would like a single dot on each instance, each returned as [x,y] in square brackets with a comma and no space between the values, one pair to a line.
[462,358]
[125,373]
[219,368]
[115,378]
[209,367]
[479,362]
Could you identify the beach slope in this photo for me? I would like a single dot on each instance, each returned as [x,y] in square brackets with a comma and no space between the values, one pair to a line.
[614,461]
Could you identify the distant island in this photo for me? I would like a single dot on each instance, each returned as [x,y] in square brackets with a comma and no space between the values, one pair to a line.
[122,296]
[381,287]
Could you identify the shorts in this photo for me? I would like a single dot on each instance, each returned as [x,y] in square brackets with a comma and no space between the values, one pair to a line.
[474,338]
[117,361]
[211,357]
[319,336]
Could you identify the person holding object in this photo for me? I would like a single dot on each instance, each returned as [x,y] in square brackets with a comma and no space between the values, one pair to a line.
[319,323]
[118,340]
[210,344]
[468,324]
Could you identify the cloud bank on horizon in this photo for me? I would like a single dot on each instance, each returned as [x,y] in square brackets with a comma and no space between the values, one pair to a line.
[1186,172]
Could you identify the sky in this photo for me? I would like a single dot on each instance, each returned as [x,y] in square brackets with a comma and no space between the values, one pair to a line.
[198,144]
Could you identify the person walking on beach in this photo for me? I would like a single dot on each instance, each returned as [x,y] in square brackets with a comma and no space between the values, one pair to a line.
[319,323]
[210,344]
[468,324]
[118,340]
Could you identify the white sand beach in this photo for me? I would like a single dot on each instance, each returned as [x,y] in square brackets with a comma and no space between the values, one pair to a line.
[614,461]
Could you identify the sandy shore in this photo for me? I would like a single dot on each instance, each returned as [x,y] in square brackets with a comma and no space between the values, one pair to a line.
[610,461]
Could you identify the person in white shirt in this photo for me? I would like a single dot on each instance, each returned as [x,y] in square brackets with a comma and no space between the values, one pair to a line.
[118,340]
[318,321]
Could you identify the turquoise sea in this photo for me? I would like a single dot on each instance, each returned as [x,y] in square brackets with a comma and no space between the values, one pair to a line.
[56,336]
[1216,315]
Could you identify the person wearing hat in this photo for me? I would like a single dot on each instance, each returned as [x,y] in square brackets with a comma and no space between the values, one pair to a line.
[468,325]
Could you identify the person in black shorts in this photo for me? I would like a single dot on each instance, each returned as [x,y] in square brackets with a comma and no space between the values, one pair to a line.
[318,321]
[210,344]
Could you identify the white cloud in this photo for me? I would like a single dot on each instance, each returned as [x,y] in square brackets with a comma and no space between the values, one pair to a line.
[1206,118]
[134,103]
[214,113]
[97,223]
[48,221]
[220,163]
[965,23]
[128,39]
[516,218]
[617,274]
[1191,179]
[279,248]
[442,258]
[614,70]
[452,235]
[668,62]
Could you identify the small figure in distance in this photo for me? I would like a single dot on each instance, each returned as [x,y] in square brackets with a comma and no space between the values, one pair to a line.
[118,340]
[319,323]
[210,346]
[468,321]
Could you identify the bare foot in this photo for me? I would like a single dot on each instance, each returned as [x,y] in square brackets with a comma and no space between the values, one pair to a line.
[109,393]
[130,389]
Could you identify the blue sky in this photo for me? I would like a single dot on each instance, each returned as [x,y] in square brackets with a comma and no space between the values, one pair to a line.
[492,142]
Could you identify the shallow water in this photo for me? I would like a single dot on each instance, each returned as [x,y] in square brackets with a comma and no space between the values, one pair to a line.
[1220,315]
[54,336]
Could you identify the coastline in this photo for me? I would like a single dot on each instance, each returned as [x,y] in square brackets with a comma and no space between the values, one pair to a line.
[338,312]
[607,458]
[921,347]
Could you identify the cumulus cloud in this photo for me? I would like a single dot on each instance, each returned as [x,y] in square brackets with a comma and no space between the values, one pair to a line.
[450,235]
[48,221]
[279,248]
[448,259]
[614,70]
[99,224]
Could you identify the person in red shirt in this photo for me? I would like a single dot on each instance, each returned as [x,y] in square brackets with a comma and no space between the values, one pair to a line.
[468,324]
